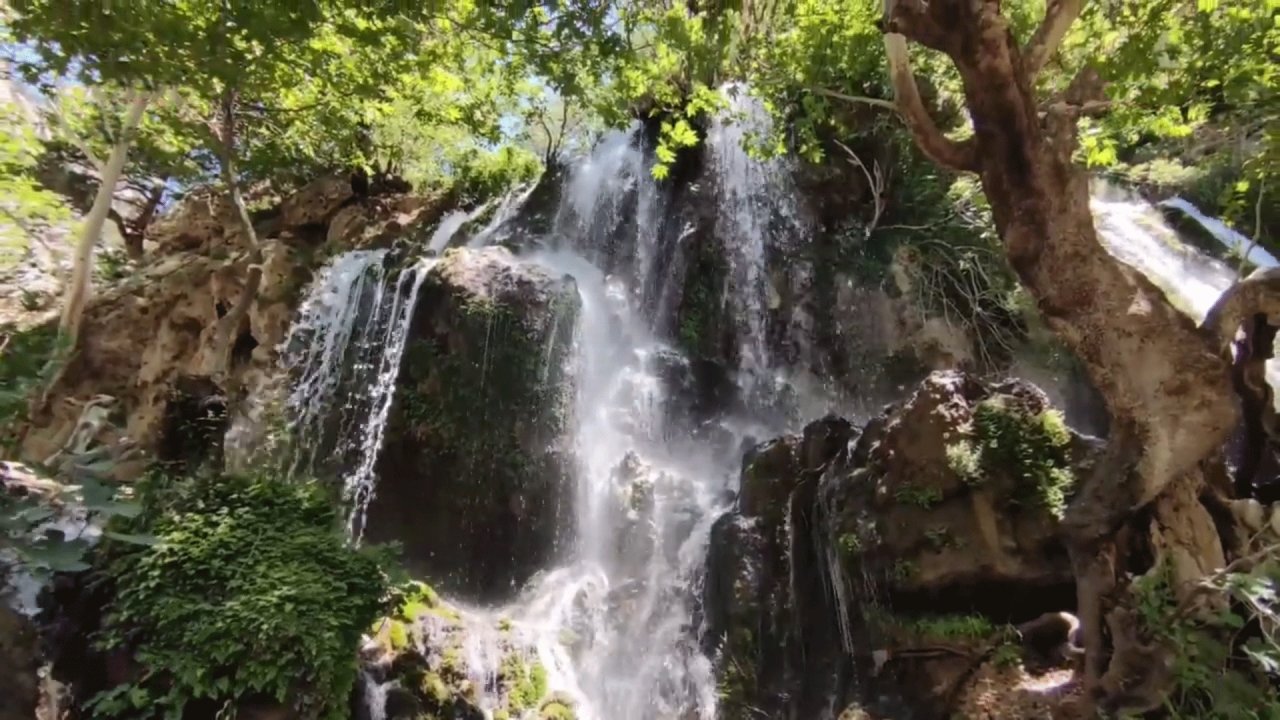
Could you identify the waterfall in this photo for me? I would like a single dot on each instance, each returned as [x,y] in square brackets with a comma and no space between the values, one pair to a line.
[343,355]
[1138,234]
[648,483]
[756,202]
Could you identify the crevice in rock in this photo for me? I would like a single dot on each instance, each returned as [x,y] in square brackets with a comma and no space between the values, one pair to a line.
[195,421]
[242,350]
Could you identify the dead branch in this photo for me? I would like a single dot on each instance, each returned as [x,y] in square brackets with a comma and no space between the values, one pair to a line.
[876,102]
[876,184]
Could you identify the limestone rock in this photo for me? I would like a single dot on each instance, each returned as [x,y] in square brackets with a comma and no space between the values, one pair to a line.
[472,479]
[932,505]
[315,202]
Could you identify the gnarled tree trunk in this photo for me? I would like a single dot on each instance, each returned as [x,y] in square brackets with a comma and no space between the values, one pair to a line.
[1166,386]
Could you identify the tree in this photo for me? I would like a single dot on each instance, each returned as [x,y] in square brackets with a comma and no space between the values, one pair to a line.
[298,70]
[1166,384]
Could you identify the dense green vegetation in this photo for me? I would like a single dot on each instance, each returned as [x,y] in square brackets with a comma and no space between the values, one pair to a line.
[250,592]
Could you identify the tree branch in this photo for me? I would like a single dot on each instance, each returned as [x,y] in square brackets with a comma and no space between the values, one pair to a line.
[1058,17]
[876,102]
[911,19]
[1258,293]
[942,150]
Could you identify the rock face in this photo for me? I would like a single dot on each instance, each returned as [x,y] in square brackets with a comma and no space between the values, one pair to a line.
[937,522]
[143,335]
[417,663]
[473,482]
[19,662]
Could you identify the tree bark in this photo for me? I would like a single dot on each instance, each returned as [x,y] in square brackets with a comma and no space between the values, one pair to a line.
[1167,389]
[81,272]
[224,334]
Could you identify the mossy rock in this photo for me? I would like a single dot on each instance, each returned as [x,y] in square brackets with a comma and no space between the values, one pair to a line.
[472,477]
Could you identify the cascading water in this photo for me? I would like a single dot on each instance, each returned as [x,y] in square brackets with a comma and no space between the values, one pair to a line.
[344,355]
[1138,234]
[757,202]
[615,622]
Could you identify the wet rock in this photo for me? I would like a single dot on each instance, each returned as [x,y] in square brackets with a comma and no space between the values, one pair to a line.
[944,508]
[19,666]
[473,481]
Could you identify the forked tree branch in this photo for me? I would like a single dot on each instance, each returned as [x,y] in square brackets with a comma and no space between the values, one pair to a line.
[1058,18]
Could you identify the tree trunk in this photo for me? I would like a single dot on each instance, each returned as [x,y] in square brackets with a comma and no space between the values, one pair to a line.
[1167,390]
[224,334]
[81,272]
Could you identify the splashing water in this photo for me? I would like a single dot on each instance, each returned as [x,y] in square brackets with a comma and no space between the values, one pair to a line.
[343,353]
[1136,233]
[756,197]
[616,622]
[1229,238]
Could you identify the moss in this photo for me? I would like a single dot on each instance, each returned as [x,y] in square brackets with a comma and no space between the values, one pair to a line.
[903,570]
[850,545]
[1031,448]
[702,314]
[398,635]
[557,710]
[525,682]
[478,398]
[921,496]
[941,538]
[435,689]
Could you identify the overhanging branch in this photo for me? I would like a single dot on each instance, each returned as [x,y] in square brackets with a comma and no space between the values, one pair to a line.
[1058,17]
[939,148]
[875,102]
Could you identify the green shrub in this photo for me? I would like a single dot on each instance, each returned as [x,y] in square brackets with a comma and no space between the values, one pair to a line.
[1032,448]
[1226,667]
[251,593]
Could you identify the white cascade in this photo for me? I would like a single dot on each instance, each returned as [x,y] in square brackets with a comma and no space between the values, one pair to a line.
[756,211]
[343,355]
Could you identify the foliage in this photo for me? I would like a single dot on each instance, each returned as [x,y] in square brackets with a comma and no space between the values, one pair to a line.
[251,592]
[26,362]
[922,496]
[951,627]
[1009,441]
[1204,89]
[1227,667]
[27,208]
[37,526]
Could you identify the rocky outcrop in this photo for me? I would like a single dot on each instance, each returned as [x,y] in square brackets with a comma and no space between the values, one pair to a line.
[473,482]
[934,525]
[157,326]
[416,665]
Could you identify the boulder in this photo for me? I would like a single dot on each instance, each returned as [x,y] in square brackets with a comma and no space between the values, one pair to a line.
[19,666]
[418,662]
[473,481]
[315,202]
[944,509]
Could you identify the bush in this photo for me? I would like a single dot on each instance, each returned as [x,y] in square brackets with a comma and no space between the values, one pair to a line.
[251,593]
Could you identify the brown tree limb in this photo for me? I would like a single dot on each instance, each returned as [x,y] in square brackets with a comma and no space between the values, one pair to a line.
[1258,293]
[216,363]
[941,149]
[1058,18]
[876,102]
[913,20]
